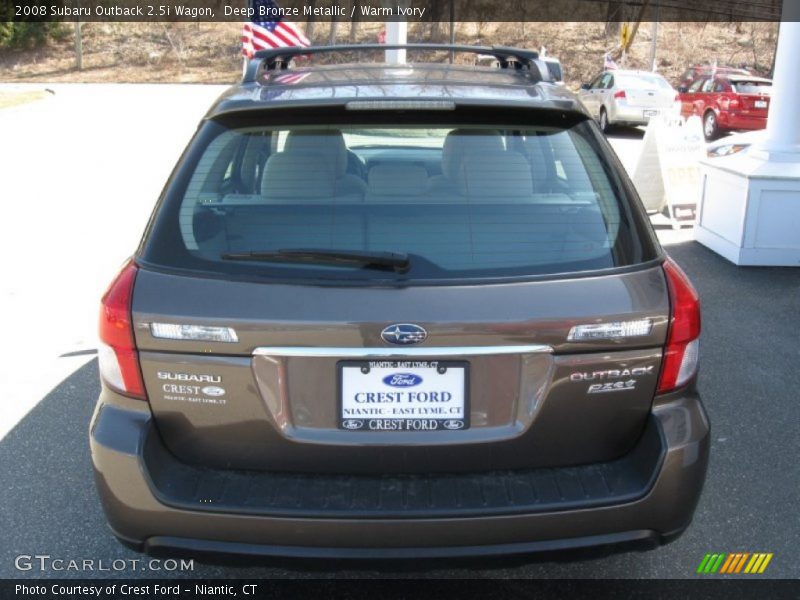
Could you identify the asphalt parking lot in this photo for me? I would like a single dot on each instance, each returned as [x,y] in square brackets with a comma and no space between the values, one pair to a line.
[749,379]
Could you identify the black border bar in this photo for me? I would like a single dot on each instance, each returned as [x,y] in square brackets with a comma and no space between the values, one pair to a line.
[426,11]
[391,589]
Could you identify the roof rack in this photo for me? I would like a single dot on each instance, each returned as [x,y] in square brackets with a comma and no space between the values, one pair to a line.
[280,58]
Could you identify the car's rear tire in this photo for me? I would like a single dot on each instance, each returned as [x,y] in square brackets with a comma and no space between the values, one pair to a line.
[605,126]
[710,126]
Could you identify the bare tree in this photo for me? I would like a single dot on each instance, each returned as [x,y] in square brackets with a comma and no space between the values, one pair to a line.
[440,13]
[626,45]
[615,15]
[332,34]
[354,26]
[311,23]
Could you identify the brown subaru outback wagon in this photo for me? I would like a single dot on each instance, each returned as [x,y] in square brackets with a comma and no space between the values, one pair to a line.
[398,310]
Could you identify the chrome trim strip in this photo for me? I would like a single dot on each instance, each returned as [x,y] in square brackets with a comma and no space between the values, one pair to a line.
[399,352]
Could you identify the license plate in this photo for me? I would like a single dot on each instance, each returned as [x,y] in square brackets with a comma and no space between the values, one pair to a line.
[761,104]
[650,113]
[403,395]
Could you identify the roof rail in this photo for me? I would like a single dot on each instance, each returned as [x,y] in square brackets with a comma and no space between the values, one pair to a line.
[279,58]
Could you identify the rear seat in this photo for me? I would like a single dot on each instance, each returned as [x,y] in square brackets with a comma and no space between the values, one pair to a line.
[302,178]
[500,177]
[403,184]
[537,158]
[329,143]
[458,144]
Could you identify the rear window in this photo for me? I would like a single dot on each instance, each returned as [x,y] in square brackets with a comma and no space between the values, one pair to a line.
[751,87]
[460,201]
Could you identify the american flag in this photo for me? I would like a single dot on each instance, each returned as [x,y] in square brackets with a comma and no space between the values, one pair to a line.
[272,33]
[290,78]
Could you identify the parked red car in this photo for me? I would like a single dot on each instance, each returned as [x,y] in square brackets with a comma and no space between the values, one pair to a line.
[727,102]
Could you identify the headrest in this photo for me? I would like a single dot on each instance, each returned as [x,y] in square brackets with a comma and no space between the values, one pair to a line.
[297,175]
[397,180]
[461,142]
[328,142]
[497,175]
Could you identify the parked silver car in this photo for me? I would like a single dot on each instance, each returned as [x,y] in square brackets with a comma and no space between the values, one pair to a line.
[628,97]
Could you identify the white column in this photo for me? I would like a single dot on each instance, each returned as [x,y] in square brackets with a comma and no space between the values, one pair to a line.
[783,125]
[396,33]
[750,206]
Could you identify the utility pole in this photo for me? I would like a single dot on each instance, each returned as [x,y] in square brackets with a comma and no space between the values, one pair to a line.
[78,46]
[78,42]
[654,41]
[653,45]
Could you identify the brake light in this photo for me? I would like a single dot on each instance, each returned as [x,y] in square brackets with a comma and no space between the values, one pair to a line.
[620,95]
[681,352]
[117,356]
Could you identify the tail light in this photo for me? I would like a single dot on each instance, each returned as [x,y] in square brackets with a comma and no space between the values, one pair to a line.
[734,104]
[117,355]
[681,353]
[620,95]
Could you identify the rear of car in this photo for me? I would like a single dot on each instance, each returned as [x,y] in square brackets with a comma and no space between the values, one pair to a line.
[743,102]
[628,98]
[396,328]
[728,103]
[637,97]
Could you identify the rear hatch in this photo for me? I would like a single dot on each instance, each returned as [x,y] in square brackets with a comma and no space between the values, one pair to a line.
[647,91]
[647,98]
[752,94]
[519,320]
[220,404]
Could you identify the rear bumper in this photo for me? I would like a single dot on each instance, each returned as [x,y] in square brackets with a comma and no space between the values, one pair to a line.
[635,115]
[727,120]
[152,501]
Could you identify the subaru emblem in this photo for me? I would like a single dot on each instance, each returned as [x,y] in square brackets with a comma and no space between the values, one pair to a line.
[404,334]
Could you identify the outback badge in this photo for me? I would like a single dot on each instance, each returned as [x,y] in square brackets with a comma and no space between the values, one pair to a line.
[404,334]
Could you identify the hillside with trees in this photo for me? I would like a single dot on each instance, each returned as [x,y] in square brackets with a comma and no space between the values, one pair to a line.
[210,52]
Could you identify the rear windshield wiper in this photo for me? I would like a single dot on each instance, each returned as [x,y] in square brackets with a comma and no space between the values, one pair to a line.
[398,261]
